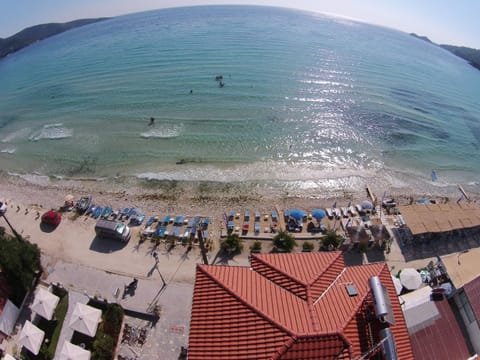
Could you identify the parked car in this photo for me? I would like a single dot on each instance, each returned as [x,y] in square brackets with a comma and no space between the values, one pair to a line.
[51,218]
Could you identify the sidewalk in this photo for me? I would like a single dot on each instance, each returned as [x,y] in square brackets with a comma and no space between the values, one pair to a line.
[166,337]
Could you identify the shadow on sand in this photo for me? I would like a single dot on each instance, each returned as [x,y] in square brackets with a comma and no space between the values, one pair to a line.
[105,245]
[47,228]
[223,258]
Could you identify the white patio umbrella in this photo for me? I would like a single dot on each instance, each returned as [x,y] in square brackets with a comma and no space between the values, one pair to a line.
[31,337]
[73,352]
[45,303]
[85,319]
[410,279]
[398,285]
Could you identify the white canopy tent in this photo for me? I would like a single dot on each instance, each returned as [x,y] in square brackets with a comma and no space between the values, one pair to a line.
[8,318]
[31,337]
[44,303]
[410,278]
[85,319]
[73,352]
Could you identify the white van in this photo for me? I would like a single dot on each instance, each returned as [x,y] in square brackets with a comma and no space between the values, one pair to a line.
[113,229]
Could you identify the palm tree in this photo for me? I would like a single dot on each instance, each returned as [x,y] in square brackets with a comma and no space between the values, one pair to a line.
[284,241]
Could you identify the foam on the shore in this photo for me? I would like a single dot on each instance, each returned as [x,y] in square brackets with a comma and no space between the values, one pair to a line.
[51,132]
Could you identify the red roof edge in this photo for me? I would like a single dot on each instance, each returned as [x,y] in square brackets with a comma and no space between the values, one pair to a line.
[201,267]
[279,270]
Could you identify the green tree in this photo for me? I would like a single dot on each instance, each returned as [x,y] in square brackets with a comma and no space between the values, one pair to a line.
[232,244]
[113,318]
[20,262]
[103,346]
[284,241]
[331,240]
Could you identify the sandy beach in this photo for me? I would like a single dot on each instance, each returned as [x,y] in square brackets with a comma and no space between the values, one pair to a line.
[74,239]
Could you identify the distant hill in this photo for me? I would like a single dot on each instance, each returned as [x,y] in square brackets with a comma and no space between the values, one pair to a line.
[39,32]
[466,53]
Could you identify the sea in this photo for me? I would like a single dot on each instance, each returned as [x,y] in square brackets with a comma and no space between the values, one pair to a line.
[310,104]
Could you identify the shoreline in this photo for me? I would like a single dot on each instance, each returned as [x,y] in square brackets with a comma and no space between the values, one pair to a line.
[74,240]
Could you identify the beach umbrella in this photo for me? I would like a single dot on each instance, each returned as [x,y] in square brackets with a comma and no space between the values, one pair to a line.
[319,214]
[398,285]
[73,352]
[410,278]
[366,205]
[31,337]
[297,214]
[85,319]
[44,303]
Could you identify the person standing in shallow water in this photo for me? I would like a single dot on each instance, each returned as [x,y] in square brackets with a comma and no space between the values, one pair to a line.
[152,121]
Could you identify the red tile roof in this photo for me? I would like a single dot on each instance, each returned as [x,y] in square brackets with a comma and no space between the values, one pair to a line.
[289,306]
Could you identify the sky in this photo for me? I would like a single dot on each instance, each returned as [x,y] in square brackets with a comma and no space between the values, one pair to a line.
[453,22]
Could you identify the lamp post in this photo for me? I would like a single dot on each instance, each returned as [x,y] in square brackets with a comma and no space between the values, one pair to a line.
[460,253]
[3,210]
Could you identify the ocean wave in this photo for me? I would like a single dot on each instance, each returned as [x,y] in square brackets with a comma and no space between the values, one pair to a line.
[163,132]
[35,179]
[51,132]
[16,134]
[8,150]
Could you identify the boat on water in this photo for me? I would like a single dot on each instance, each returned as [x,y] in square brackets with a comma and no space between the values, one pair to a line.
[84,203]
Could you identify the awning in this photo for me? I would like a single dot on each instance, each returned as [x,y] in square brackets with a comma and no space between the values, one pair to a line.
[85,319]
[45,303]
[31,337]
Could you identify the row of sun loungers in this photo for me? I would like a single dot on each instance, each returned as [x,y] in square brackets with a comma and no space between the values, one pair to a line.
[134,215]
[179,228]
[245,222]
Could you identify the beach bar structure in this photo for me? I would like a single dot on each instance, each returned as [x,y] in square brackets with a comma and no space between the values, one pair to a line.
[428,220]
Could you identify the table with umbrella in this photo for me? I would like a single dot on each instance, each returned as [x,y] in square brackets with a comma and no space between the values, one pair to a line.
[31,337]
[295,219]
[85,319]
[70,351]
[45,303]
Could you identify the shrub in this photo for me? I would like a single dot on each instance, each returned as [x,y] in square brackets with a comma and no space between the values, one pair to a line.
[331,240]
[284,241]
[232,244]
[307,246]
[256,247]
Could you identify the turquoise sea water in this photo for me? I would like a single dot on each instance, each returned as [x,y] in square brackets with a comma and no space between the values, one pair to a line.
[310,102]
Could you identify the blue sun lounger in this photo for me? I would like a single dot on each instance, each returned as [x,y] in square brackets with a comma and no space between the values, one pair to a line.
[256,227]
[247,215]
[150,221]
[274,216]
